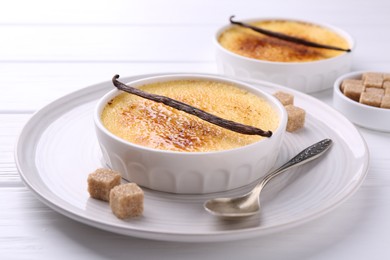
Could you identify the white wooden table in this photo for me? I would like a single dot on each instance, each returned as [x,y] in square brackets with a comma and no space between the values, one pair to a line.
[51,48]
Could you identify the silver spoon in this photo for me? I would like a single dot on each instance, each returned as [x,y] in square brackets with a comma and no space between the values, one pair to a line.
[249,204]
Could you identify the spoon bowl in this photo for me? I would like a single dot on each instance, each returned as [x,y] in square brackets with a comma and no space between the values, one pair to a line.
[249,203]
[234,207]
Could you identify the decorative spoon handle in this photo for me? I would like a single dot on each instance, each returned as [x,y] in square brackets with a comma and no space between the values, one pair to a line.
[308,154]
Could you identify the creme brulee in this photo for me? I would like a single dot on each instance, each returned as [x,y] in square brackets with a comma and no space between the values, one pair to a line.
[249,43]
[158,126]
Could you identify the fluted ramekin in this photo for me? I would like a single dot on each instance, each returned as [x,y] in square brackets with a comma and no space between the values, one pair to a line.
[306,77]
[190,172]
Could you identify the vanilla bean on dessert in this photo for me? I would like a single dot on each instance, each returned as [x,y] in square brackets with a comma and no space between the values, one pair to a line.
[250,43]
[182,106]
[155,125]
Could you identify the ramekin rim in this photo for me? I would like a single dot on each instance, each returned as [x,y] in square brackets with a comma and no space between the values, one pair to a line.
[112,93]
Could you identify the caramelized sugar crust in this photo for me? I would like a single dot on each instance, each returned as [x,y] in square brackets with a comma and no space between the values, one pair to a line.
[158,126]
[255,45]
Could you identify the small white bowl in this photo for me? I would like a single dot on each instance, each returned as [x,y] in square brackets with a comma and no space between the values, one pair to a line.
[190,172]
[306,77]
[363,115]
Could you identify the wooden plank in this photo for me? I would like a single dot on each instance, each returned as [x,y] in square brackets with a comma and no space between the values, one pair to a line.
[142,43]
[186,12]
[25,87]
[11,125]
[108,43]
[31,230]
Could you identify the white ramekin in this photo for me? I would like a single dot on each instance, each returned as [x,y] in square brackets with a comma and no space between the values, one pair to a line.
[363,115]
[306,77]
[190,172]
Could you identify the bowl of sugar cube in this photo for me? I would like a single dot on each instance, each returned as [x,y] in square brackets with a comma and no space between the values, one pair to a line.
[364,98]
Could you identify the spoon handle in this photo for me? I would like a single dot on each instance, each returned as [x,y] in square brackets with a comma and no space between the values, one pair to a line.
[310,153]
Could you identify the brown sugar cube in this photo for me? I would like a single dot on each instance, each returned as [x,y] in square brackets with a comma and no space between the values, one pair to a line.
[127,200]
[378,91]
[353,90]
[372,79]
[296,118]
[371,99]
[370,74]
[386,87]
[101,181]
[350,81]
[385,103]
[284,98]
[386,77]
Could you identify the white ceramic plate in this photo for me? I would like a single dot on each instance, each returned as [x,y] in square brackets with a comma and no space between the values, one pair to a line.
[57,149]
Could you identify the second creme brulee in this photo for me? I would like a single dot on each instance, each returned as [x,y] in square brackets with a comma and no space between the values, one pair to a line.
[158,126]
[251,44]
